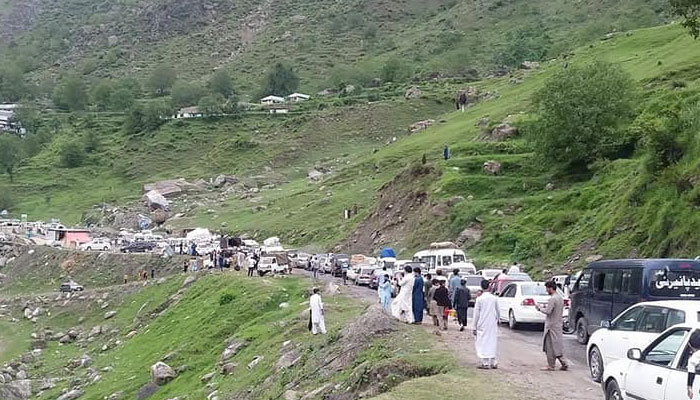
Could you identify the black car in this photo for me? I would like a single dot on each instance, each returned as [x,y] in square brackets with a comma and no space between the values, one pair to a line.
[606,288]
[138,247]
[340,262]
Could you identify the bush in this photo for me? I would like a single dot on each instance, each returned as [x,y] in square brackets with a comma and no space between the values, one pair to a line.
[185,94]
[70,94]
[281,81]
[395,71]
[582,114]
[226,298]
[72,154]
[526,44]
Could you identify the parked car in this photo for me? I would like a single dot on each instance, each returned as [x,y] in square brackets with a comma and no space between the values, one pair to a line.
[275,263]
[340,262]
[374,283]
[517,303]
[302,260]
[364,275]
[70,286]
[655,372]
[636,327]
[138,247]
[99,244]
[520,277]
[606,288]
[353,272]
[499,283]
[489,274]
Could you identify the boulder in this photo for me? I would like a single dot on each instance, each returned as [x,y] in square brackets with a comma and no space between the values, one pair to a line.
[16,390]
[232,348]
[159,216]
[503,132]
[413,92]
[189,280]
[228,368]
[110,314]
[156,201]
[71,395]
[112,40]
[315,175]
[254,362]
[172,187]
[116,395]
[65,339]
[421,125]
[349,89]
[549,186]
[95,331]
[161,373]
[492,167]
[470,235]
[223,180]
[207,377]
[290,395]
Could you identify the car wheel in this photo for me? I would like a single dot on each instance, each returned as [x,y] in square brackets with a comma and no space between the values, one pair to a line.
[512,322]
[89,248]
[595,364]
[582,331]
[105,249]
[612,391]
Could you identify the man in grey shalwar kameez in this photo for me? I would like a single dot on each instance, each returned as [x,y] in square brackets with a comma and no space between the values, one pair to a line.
[553,341]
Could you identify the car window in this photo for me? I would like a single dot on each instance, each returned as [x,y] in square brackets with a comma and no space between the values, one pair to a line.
[628,281]
[533,290]
[653,319]
[628,321]
[675,317]
[664,351]
[446,260]
[584,281]
[512,289]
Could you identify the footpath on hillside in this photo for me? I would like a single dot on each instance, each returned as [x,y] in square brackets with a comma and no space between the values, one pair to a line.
[519,361]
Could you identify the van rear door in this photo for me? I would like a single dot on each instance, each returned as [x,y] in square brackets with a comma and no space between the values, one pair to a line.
[674,280]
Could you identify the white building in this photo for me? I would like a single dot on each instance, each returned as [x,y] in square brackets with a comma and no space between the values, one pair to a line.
[297,97]
[272,100]
[7,122]
[188,112]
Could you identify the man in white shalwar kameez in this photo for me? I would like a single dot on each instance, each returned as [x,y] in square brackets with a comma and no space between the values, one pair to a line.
[318,325]
[486,319]
[402,306]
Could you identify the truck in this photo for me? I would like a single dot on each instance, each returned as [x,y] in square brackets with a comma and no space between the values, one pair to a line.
[274,262]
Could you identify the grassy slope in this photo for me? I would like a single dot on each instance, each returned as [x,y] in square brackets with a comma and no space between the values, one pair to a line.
[195,328]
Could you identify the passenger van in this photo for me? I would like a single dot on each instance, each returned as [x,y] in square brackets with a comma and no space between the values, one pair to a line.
[440,258]
[606,288]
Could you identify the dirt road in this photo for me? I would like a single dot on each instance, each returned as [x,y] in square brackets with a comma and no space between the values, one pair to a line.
[520,357]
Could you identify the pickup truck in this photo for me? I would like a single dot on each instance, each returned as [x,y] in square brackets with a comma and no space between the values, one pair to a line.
[276,263]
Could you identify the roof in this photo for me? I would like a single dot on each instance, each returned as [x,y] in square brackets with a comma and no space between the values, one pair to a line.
[273,98]
[189,110]
[301,95]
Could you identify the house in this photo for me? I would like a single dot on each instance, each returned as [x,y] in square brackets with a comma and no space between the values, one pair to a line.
[7,121]
[297,97]
[188,112]
[68,237]
[272,100]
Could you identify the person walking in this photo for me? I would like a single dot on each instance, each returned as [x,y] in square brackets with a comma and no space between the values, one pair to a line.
[455,279]
[553,339]
[430,299]
[314,267]
[427,285]
[385,293]
[460,303]
[486,317]
[184,266]
[445,152]
[401,307]
[126,279]
[153,273]
[417,304]
[442,299]
[318,324]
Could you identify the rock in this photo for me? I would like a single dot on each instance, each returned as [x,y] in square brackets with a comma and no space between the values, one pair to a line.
[110,314]
[288,360]
[482,122]
[326,92]
[223,180]
[47,383]
[156,201]
[492,167]
[65,339]
[228,368]
[131,334]
[95,331]
[290,395]
[16,390]
[189,280]
[207,377]
[529,65]
[594,258]
[453,201]
[21,375]
[502,132]
[331,289]
[549,186]
[71,395]
[161,373]
[470,235]
[116,396]
[232,348]
[412,93]
[255,362]
[146,391]
[112,41]
[159,216]
[284,305]
[440,210]
[173,187]
[349,89]
[315,175]
[420,125]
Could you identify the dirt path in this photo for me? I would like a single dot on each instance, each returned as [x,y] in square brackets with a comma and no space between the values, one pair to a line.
[520,359]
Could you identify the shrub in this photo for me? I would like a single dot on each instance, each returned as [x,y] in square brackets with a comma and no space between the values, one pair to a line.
[395,71]
[72,154]
[582,113]
[70,94]
[185,94]
[226,298]
[281,81]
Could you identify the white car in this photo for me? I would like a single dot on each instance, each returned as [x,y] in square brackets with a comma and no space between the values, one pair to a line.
[636,327]
[353,272]
[97,244]
[364,275]
[517,302]
[489,274]
[656,372]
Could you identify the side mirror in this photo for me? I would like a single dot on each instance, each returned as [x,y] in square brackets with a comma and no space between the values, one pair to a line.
[607,324]
[634,354]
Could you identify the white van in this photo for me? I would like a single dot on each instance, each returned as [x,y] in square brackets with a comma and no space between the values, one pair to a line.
[441,259]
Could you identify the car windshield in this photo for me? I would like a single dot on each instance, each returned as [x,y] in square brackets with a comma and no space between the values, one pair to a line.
[533,290]
[366,271]
[474,280]
[267,260]
[520,276]
[458,258]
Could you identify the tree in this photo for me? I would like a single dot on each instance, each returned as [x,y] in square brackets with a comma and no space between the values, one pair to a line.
[70,93]
[121,99]
[395,70]
[281,81]
[10,154]
[581,113]
[185,94]
[221,83]
[91,141]
[72,154]
[12,86]
[101,94]
[29,118]
[525,44]
[211,105]
[162,79]
[689,10]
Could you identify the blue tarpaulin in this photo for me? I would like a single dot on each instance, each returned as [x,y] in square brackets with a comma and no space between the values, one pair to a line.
[387,252]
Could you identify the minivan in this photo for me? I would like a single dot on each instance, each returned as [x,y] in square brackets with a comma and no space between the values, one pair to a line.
[606,288]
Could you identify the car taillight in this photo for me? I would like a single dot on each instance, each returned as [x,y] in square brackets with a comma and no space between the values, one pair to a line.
[528,302]
[567,303]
